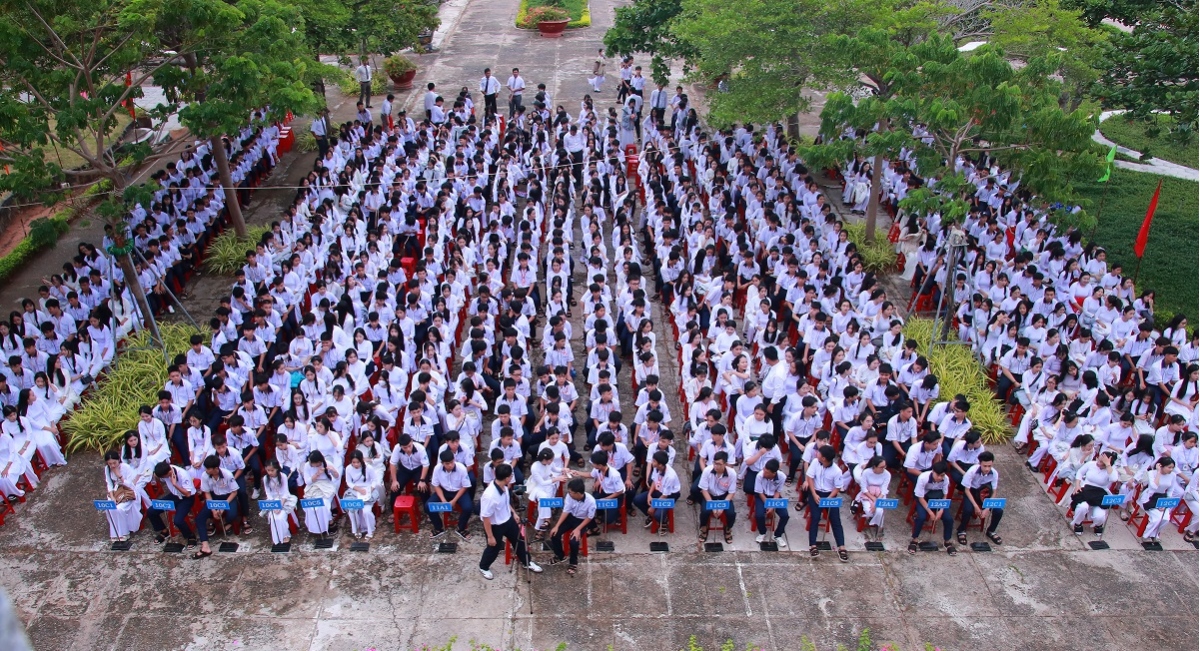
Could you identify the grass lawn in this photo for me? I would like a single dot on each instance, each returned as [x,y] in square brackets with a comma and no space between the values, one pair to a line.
[1170,265]
[578,9]
[1165,146]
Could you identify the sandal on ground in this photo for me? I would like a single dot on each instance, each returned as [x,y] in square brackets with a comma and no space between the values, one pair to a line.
[539,536]
[191,543]
[729,536]
[843,555]
[199,555]
[246,531]
[703,535]
[556,561]
[995,537]
[814,552]
[799,505]
[913,547]
[159,538]
[572,569]
[1124,516]
[962,538]
[951,549]
[1187,537]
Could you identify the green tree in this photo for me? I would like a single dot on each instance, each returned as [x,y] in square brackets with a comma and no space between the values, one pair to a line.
[645,27]
[256,62]
[1155,66]
[767,52]
[67,69]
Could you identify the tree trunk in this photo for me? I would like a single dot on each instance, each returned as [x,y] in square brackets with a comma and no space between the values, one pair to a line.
[139,296]
[873,204]
[231,198]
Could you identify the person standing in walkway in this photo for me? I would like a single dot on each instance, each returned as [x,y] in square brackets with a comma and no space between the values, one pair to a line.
[500,524]
[658,104]
[516,87]
[626,73]
[363,74]
[598,70]
[430,99]
[489,86]
[320,131]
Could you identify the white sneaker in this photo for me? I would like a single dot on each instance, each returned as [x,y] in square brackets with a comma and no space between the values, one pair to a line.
[534,567]
[487,574]
[760,538]
[254,494]
[781,542]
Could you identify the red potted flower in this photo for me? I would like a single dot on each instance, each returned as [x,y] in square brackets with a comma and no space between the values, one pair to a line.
[550,21]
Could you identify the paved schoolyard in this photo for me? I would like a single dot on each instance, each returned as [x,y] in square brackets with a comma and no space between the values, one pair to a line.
[1043,589]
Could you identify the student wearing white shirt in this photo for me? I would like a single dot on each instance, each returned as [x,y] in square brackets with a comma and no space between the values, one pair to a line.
[500,524]
[120,486]
[768,484]
[1091,487]
[217,484]
[662,484]
[361,483]
[718,482]
[275,488]
[363,75]
[873,479]
[176,486]
[490,87]
[933,484]
[978,477]
[516,87]
[452,484]
[1161,483]
[579,509]
[825,481]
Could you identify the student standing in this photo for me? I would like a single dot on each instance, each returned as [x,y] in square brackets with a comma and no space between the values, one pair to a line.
[363,74]
[598,70]
[500,523]
[490,87]
[516,88]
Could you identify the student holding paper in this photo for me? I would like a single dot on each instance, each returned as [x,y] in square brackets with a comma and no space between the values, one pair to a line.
[120,483]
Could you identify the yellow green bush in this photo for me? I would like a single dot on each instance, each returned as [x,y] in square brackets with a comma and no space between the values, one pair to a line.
[111,408]
[959,371]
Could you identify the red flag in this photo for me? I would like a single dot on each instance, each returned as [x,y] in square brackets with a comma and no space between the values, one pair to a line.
[1139,247]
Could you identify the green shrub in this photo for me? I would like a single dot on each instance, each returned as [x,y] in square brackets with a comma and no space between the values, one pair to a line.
[578,11]
[349,85]
[878,256]
[227,252]
[43,234]
[305,140]
[958,370]
[111,409]
[397,65]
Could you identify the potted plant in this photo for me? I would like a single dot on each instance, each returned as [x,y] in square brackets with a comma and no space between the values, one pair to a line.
[550,21]
[401,70]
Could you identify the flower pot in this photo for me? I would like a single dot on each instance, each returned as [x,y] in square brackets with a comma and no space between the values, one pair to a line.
[425,39]
[404,81]
[552,28]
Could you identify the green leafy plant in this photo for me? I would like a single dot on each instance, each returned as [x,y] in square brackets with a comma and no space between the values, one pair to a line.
[227,252]
[305,140]
[111,408]
[578,12]
[879,255]
[958,370]
[397,65]
[349,85]
[44,232]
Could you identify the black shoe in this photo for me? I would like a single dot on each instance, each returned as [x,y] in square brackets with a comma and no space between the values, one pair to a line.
[1079,530]
[1099,531]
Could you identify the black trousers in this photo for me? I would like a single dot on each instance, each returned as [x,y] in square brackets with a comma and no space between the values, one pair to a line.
[506,531]
[489,105]
[556,542]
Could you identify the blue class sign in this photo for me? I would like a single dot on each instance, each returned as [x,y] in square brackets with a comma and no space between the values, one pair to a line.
[717,505]
[887,504]
[217,505]
[1112,500]
[314,503]
[781,503]
[995,503]
[105,505]
[938,505]
[830,503]
[550,503]
[440,507]
[662,504]
[270,505]
[607,505]
[1166,503]
[162,505]
[352,505]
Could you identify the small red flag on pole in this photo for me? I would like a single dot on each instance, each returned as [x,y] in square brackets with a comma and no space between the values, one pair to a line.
[1139,247]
